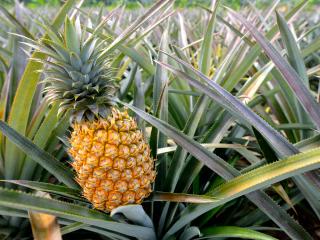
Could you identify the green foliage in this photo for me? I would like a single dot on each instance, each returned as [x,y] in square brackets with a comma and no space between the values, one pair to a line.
[231,116]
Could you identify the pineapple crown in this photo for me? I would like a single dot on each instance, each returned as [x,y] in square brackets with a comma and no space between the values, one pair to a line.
[78,76]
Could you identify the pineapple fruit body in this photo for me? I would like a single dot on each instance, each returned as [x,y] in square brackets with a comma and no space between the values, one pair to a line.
[112,161]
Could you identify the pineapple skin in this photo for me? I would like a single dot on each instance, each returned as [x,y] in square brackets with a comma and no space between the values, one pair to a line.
[112,161]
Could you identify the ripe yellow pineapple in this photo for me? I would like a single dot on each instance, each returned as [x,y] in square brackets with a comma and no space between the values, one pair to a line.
[112,161]
[111,158]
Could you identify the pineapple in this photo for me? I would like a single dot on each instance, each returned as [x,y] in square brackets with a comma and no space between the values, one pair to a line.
[111,158]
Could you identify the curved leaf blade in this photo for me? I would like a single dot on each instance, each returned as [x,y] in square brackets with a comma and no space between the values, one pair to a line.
[234,232]
[269,174]
[47,161]
[294,80]
[50,188]
[24,201]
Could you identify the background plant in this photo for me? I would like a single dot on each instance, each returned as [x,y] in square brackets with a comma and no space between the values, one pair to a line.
[217,102]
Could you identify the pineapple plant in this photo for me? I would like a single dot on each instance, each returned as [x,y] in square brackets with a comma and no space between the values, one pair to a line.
[224,125]
[111,158]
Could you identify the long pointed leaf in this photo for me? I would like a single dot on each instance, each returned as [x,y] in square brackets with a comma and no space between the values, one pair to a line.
[24,201]
[43,158]
[296,83]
